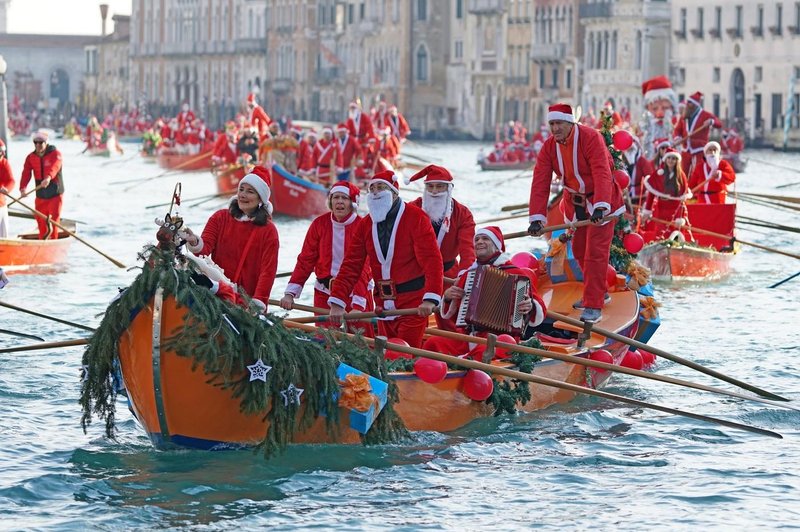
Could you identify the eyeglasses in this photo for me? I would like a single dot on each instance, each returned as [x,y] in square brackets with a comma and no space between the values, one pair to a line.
[38,142]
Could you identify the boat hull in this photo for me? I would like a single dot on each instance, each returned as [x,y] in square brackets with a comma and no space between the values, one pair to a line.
[27,252]
[177,406]
[228,179]
[184,162]
[683,262]
[292,196]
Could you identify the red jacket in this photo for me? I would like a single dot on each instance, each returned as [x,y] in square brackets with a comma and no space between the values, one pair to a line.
[6,178]
[260,120]
[350,149]
[714,190]
[398,125]
[224,152]
[48,165]
[325,153]
[456,245]
[591,178]
[362,127]
[226,239]
[305,156]
[412,256]
[696,142]
[322,253]
[667,202]
[641,169]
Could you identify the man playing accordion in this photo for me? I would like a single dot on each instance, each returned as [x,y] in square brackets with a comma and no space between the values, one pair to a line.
[489,251]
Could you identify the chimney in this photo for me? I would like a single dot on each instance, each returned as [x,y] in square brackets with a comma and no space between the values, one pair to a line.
[103,15]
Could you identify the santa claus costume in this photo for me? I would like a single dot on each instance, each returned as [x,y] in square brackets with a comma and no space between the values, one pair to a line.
[327,157]
[323,252]
[224,151]
[711,178]
[359,124]
[638,167]
[667,192]
[398,241]
[258,117]
[583,163]
[498,259]
[349,147]
[397,125]
[659,99]
[692,131]
[244,246]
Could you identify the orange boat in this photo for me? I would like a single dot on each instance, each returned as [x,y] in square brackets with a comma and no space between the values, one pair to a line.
[26,251]
[177,406]
[180,161]
[228,177]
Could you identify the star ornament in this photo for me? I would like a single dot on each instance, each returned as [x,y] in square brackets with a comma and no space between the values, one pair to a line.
[291,395]
[258,371]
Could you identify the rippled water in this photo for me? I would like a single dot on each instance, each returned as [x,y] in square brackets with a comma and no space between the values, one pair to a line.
[589,464]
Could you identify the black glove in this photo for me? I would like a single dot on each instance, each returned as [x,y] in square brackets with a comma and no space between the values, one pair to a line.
[597,215]
[535,229]
[201,280]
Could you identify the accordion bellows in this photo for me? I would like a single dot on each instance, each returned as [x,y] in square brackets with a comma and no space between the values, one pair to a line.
[491,299]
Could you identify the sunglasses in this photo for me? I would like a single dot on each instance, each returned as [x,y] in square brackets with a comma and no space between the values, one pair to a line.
[38,142]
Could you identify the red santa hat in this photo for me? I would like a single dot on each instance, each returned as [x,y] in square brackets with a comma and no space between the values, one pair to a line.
[327,130]
[660,143]
[343,187]
[672,152]
[696,98]
[311,133]
[560,111]
[495,235]
[251,98]
[657,88]
[296,130]
[260,179]
[387,177]
[341,126]
[713,144]
[432,174]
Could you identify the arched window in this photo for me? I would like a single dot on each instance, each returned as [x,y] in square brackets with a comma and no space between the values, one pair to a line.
[422,64]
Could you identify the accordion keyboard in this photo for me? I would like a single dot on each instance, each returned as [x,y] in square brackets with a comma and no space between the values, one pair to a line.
[461,319]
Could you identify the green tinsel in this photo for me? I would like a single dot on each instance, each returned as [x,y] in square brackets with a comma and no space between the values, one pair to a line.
[508,393]
[223,354]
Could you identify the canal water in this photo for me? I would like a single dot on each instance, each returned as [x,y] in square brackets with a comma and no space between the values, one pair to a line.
[590,464]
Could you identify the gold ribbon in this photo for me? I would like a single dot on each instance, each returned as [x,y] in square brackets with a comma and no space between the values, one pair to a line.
[357,393]
[639,274]
[649,308]
[557,247]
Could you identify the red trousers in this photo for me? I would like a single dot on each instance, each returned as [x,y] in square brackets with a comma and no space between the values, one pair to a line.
[447,346]
[409,328]
[591,246]
[49,207]
[365,327]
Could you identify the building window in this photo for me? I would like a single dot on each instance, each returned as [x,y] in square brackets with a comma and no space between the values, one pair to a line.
[422,64]
[683,21]
[758,29]
[777,29]
[796,27]
[541,78]
[758,115]
[739,29]
[777,111]
[554,78]
[362,11]
[715,98]
[422,9]
[718,20]
[459,9]
[699,33]
[759,76]
[351,11]
[459,49]
[568,79]
[715,76]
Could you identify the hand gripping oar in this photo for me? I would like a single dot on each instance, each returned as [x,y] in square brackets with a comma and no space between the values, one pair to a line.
[558,227]
[669,356]
[70,233]
[351,316]
[45,316]
[518,375]
[45,345]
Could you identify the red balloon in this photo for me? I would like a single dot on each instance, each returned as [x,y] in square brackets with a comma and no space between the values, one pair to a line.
[633,242]
[478,385]
[611,277]
[633,360]
[501,352]
[622,178]
[429,370]
[622,140]
[523,259]
[601,355]
[393,355]
[648,358]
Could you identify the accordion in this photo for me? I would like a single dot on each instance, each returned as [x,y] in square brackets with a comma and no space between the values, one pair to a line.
[490,301]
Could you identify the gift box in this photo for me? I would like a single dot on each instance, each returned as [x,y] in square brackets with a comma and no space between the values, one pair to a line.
[376,394]
[563,266]
[646,290]
[648,325]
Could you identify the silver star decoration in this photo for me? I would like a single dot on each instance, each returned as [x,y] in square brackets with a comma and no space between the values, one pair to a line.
[291,395]
[84,373]
[258,371]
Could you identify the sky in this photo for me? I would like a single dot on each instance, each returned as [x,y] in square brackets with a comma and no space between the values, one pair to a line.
[70,17]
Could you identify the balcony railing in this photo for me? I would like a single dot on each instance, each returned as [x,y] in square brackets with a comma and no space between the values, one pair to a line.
[697,33]
[680,34]
[487,6]
[517,80]
[775,30]
[793,30]
[596,10]
[757,31]
[281,85]
[734,33]
[714,33]
[255,45]
[548,52]
[327,74]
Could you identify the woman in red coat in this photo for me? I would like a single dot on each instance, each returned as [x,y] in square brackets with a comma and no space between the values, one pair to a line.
[710,180]
[666,191]
[242,240]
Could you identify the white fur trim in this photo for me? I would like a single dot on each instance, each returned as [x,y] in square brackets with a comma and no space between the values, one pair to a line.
[698,104]
[659,94]
[557,115]
[601,205]
[214,287]
[659,194]
[360,301]
[342,189]
[537,218]
[294,290]
[433,296]
[537,316]
[390,185]
[336,301]
[196,249]
[492,237]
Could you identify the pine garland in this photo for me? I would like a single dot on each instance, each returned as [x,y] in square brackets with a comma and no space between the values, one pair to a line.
[508,393]
[208,337]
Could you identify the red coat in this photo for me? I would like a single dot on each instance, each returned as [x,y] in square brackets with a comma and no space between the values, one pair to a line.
[7,180]
[388,148]
[322,253]
[326,152]
[305,156]
[696,142]
[397,124]
[185,117]
[350,149]
[667,203]
[716,189]
[456,245]
[224,151]
[260,120]
[412,253]
[641,168]
[48,165]
[226,239]
[361,127]
[592,177]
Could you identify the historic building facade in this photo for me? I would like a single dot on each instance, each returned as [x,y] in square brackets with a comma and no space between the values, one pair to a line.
[108,64]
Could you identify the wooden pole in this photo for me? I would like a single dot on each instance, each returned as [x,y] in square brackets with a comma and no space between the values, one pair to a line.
[350,316]
[45,316]
[47,345]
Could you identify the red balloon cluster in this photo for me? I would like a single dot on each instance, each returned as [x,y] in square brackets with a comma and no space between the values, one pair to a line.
[524,259]
[601,355]
[622,140]
[633,360]
[611,277]
[430,371]
[478,385]
[622,178]
[633,243]
[394,355]
[648,358]
[502,352]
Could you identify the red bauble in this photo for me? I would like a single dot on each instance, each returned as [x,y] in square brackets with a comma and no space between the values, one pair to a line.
[524,259]
[478,385]
[622,178]
[633,360]
[501,352]
[393,355]
[622,140]
[429,370]
[601,355]
[633,242]
[611,277]
[648,358]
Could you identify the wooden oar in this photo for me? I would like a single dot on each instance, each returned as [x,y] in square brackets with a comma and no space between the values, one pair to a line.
[767,224]
[45,345]
[70,233]
[21,335]
[601,365]
[177,168]
[790,199]
[518,375]
[770,203]
[558,227]
[698,129]
[787,185]
[516,207]
[351,316]
[45,316]
[727,237]
[664,354]
[23,196]
[29,216]
[784,281]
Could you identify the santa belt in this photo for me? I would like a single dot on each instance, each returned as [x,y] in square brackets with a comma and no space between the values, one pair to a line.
[327,282]
[449,264]
[579,200]
[388,289]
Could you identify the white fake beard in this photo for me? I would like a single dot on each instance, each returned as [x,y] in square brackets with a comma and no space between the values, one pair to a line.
[435,205]
[631,154]
[713,161]
[379,204]
[353,114]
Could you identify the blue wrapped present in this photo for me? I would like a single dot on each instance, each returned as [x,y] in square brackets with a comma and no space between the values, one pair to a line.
[563,267]
[362,421]
[647,325]
[646,290]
